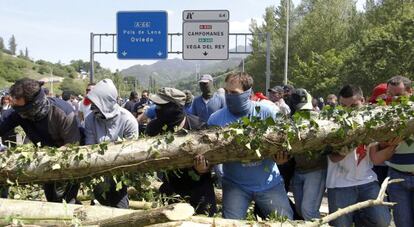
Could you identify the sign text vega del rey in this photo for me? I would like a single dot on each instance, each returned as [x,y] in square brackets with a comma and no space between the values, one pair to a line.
[206,34]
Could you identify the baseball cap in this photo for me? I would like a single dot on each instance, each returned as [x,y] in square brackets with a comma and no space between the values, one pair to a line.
[275,89]
[380,89]
[168,94]
[206,78]
[302,99]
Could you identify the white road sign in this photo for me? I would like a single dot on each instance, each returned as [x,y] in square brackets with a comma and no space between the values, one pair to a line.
[206,40]
[206,35]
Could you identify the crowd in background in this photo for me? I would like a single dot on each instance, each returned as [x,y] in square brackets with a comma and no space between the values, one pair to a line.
[101,116]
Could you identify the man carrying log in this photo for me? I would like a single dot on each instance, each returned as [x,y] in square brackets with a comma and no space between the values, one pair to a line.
[243,182]
[401,162]
[47,122]
[109,122]
[350,178]
[194,183]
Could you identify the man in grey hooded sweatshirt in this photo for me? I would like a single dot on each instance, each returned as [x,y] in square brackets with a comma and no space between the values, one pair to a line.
[109,122]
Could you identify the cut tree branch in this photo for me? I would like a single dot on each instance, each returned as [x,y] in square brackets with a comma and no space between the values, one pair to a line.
[217,145]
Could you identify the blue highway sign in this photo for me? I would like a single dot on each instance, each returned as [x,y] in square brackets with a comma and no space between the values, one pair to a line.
[142,34]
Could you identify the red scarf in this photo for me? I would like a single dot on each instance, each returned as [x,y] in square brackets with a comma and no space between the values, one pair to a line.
[86,101]
[361,152]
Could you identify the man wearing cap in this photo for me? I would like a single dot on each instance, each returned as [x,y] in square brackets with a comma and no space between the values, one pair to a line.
[109,122]
[252,181]
[308,182]
[194,183]
[209,102]
[276,96]
[287,94]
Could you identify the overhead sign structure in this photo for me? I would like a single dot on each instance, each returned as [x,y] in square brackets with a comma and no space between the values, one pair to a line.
[142,35]
[205,35]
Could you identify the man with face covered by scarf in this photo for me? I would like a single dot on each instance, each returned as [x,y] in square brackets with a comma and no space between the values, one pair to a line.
[194,183]
[109,122]
[46,121]
[243,182]
[208,102]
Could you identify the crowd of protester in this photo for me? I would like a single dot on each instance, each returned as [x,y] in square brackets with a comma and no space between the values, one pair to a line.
[346,179]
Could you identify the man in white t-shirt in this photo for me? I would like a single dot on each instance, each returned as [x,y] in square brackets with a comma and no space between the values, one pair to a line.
[350,179]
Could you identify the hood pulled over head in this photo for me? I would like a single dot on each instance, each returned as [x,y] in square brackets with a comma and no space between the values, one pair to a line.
[104,95]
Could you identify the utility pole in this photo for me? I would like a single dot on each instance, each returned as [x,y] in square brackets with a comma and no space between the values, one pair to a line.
[51,81]
[91,70]
[267,63]
[285,79]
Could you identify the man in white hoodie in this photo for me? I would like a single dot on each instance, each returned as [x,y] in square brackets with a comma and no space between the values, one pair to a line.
[109,122]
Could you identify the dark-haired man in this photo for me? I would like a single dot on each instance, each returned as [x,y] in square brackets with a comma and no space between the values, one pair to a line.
[243,182]
[350,178]
[399,86]
[130,105]
[46,121]
[276,96]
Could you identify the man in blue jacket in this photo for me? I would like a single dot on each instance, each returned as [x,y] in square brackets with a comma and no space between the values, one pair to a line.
[46,121]
[243,182]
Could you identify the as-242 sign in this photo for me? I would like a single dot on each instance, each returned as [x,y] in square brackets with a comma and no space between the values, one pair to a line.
[206,35]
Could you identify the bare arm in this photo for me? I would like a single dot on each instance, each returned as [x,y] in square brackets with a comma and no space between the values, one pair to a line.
[383,152]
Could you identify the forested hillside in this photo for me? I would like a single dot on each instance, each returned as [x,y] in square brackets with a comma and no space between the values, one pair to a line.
[334,44]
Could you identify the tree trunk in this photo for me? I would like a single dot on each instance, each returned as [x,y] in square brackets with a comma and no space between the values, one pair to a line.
[173,212]
[149,154]
[42,213]
[45,213]
[220,222]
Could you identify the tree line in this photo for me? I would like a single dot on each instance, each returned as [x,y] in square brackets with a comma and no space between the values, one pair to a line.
[335,44]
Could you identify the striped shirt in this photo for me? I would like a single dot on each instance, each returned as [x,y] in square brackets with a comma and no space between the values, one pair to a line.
[403,158]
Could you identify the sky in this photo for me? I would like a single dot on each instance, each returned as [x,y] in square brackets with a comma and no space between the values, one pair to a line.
[59,30]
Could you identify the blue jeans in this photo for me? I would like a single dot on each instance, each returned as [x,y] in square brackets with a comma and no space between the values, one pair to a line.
[403,194]
[376,216]
[236,201]
[308,189]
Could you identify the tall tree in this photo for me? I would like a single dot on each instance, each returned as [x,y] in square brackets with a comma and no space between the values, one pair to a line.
[26,53]
[1,43]
[12,45]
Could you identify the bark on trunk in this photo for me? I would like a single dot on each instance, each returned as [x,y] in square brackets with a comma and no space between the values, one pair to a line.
[43,213]
[173,212]
[149,154]
[220,222]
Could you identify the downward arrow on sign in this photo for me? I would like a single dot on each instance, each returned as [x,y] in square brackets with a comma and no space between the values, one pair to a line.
[205,53]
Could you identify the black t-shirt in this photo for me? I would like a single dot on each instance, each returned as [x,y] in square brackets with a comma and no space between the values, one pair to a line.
[130,105]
